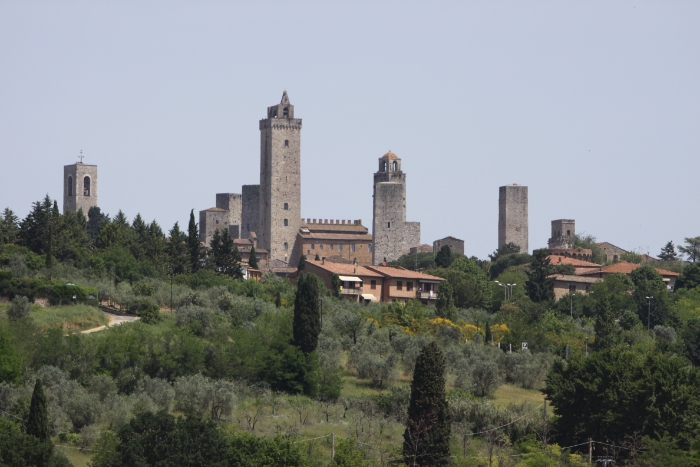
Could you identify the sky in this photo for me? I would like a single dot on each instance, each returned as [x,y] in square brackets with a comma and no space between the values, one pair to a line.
[595,106]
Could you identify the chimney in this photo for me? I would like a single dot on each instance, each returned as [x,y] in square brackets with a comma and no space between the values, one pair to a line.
[323,260]
[314,221]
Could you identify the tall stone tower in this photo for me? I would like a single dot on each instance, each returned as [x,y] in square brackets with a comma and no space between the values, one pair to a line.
[280,182]
[512,216]
[392,235]
[79,187]
[563,231]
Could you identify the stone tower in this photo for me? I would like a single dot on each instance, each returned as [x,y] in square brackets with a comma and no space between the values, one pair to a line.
[79,187]
[512,216]
[562,232]
[280,182]
[231,202]
[392,235]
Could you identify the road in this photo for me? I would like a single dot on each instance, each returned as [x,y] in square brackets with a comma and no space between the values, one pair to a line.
[114,320]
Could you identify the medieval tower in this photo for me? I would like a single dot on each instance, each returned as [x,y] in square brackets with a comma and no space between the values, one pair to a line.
[79,187]
[392,235]
[280,182]
[512,216]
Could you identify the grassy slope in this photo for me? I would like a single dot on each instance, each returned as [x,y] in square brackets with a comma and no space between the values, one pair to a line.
[68,318]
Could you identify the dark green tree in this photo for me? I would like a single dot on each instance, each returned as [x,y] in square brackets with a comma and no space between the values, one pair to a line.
[34,229]
[9,227]
[539,286]
[193,243]
[507,249]
[691,248]
[443,259]
[38,420]
[178,253]
[18,449]
[668,252]
[10,360]
[606,331]
[335,285]
[691,340]
[649,283]
[49,246]
[445,307]
[140,235]
[253,259]
[95,220]
[427,435]
[317,258]
[488,336]
[689,278]
[225,256]
[278,299]
[307,313]
[302,263]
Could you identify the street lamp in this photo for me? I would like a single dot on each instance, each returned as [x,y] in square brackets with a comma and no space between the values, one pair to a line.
[505,290]
[586,346]
[510,295]
[649,313]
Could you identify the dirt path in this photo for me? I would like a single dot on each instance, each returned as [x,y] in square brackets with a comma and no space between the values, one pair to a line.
[114,320]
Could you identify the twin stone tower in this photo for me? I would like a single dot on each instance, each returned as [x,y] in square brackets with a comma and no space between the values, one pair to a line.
[272,209]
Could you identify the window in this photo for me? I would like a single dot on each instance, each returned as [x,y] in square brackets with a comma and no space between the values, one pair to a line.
[614,257]
[568,233]
[373,284]
[572,288]
[340,247]
[388,225]
[86,186]
[396,165]
[331,246]
[399,285]
[313,246]
[285,112]
[369,247]
[286,246]
[286,206]
[286,222]
[409,286]
[320,247]
[308,252]
[385,166]
[70,186]
[352,248]
[217,221]
[286,143]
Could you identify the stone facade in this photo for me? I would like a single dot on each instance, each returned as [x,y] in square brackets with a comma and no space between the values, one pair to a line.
[612,252]
[563,231]
[79,187]
[337,241]
[211,220]
[456,245]
[232,203]
[280,182]
[512,216]
[392,235]
[250,210]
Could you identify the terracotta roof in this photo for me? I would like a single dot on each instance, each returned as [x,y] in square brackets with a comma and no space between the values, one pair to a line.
[390,155]
[557,259]
[579,279]
[625,268]
[345,269]
[216,209]
[391,271]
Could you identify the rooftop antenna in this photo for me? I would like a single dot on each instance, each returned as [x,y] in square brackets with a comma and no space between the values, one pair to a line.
[81,156]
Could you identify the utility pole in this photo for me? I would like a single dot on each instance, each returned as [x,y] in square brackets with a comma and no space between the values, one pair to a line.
[590,451]
[332,446]
[649,313]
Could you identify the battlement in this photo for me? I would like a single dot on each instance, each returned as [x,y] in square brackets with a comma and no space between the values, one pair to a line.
[331,222]
[281,124]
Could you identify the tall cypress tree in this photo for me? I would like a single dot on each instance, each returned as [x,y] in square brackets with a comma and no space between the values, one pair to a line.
[445,306]
[253,258]
[307,313]
[38,420]
[605,328]
[540,287]
[427,435]
[193,244]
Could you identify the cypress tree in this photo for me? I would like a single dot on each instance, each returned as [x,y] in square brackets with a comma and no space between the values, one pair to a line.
[193,243]
[253,259]
[278,299]
[38,420]
[302,263]
[427,435]
[49,247]
[444,257]
[445,307]
[605,327]
[540,287]
[317,258]
[307,313]
[335,285]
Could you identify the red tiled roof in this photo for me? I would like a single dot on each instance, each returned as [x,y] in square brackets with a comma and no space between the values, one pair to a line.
[625,268]
[557,259]
[391,271]
[345,269]
[579,279]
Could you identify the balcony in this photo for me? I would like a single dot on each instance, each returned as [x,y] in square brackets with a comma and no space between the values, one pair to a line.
[350,291]
[426,296]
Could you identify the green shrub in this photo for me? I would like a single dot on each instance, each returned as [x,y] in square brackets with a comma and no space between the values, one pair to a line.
[149,312]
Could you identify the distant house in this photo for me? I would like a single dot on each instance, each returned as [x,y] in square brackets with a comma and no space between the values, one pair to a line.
[564,284]
[612,252]
[580,266]
[624,267]
[402,284]
[456,245]
[339,241]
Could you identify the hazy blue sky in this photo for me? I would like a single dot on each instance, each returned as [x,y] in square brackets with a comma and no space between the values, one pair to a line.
[593,105]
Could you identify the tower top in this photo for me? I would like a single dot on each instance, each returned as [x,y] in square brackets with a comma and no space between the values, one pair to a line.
[282,110]
[390,155]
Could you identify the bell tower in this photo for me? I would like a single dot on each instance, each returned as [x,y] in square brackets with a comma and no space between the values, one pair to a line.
[79,187]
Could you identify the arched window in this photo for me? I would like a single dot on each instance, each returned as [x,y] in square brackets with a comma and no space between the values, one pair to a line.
[286,206]
[70,186]
[396,165]
[86,186]
[286,222]
[286,246]
[285,112]
[385,166]
[286,143]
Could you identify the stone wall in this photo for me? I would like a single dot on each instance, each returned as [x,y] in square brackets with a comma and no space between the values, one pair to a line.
[411,236]
[75,195]
[513,216]
[250,210]
[209,221]
[562,232]
[388,221]
[456,245]
[233,203]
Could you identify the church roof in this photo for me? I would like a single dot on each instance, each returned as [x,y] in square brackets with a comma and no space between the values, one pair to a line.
[390,155]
